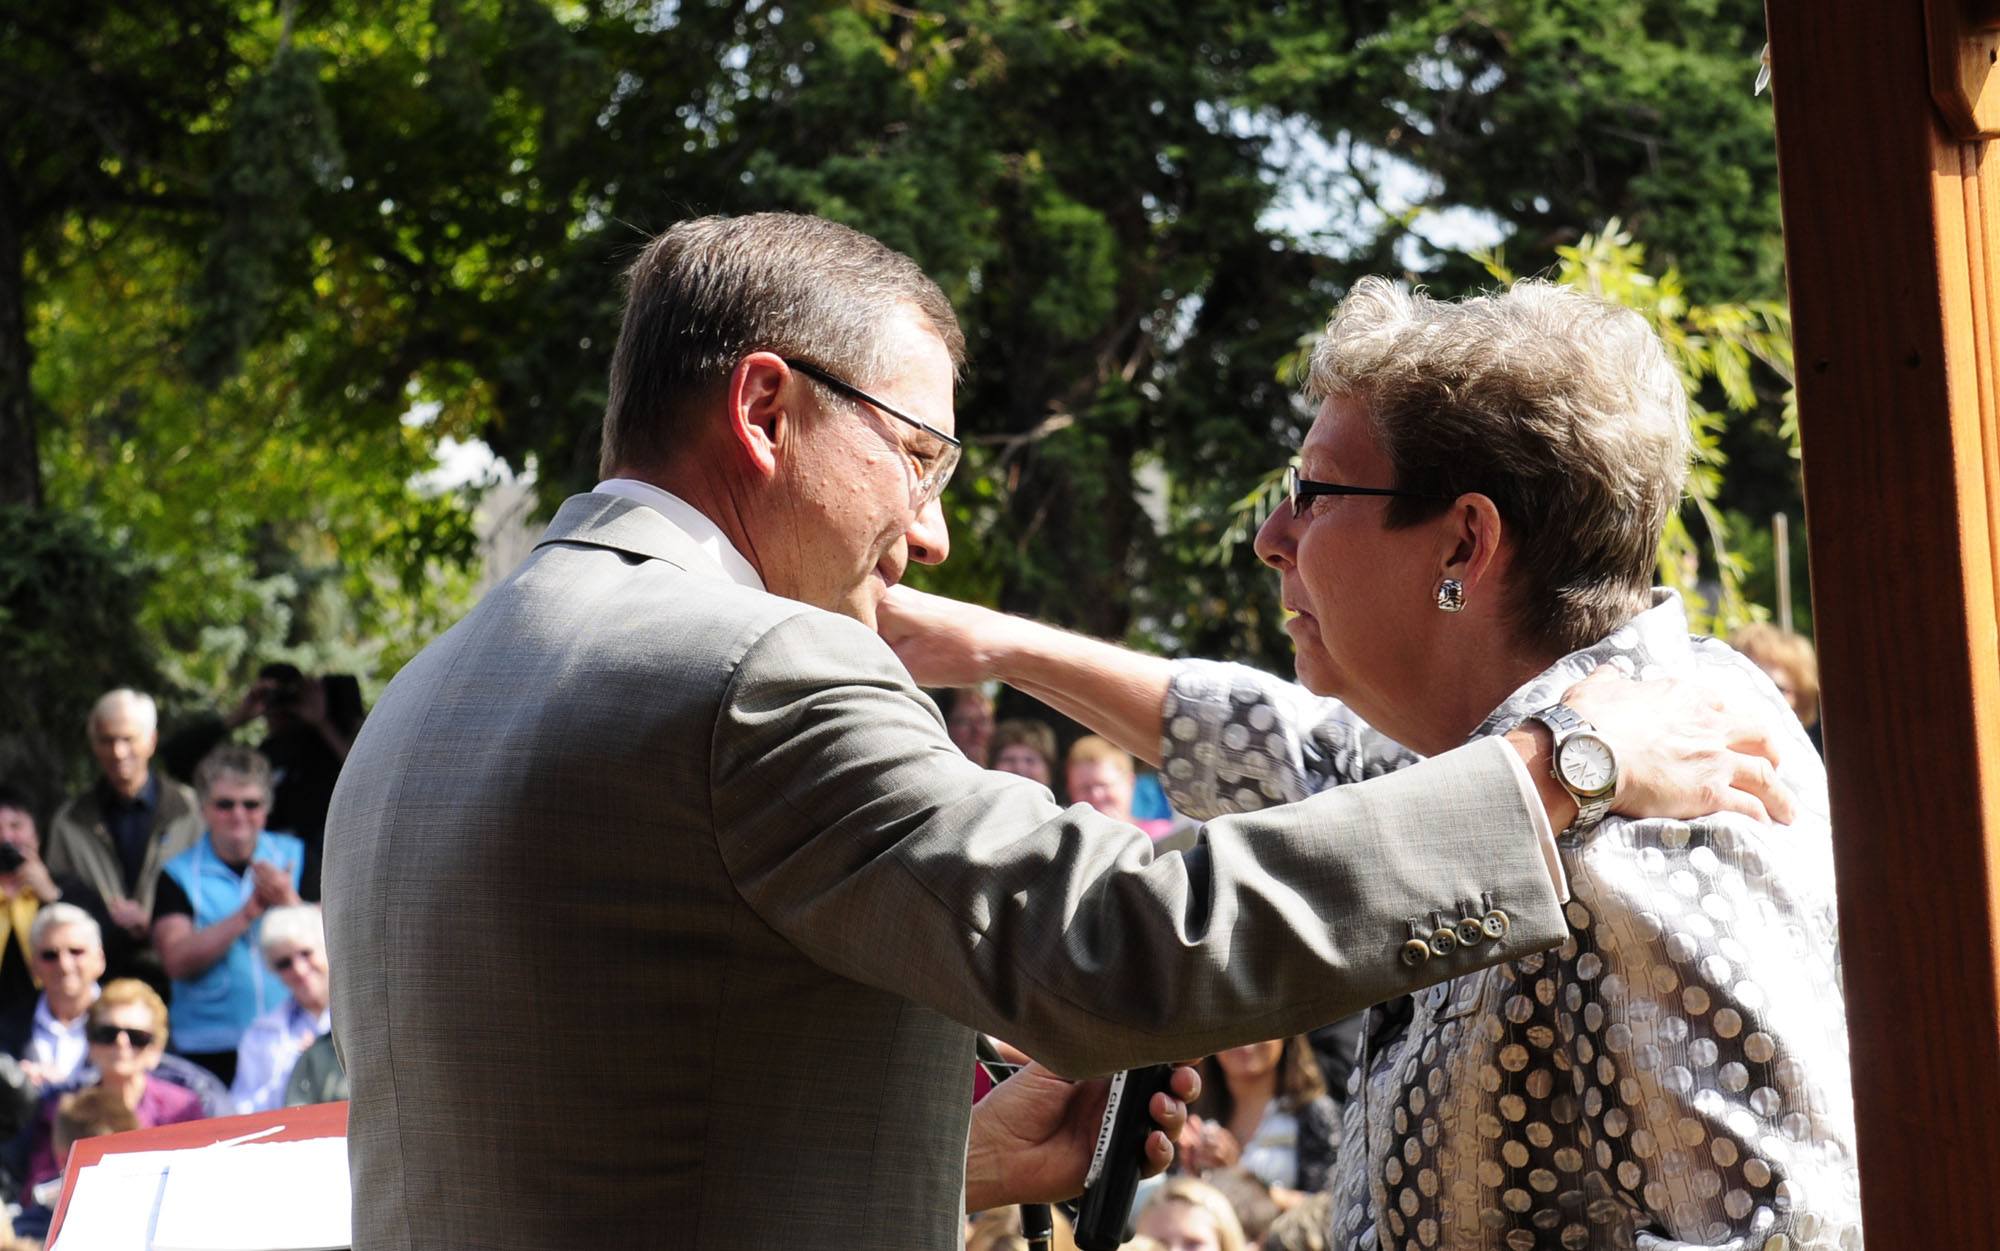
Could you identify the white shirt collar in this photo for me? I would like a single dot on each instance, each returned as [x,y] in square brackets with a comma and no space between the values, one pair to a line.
[295,1013]
[690,521]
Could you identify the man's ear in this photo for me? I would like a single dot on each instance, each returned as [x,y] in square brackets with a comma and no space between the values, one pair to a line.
[761,420]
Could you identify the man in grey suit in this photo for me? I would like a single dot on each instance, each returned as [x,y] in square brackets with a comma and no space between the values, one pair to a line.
[661,908]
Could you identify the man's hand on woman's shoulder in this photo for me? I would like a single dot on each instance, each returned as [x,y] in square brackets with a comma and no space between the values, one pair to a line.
[1684,750]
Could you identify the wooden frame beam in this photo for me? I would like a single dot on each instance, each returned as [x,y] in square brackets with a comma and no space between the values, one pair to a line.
[1891,229]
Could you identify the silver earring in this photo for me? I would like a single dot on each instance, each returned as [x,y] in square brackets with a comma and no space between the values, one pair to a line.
[1451,595]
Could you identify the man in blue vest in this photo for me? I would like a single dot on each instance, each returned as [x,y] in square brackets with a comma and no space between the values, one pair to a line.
[210,903]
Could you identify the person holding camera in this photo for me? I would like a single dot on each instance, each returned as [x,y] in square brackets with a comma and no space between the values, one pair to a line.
[310,723]
[26,887]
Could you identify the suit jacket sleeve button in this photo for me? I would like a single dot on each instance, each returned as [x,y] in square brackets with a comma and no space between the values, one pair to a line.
[1415,952]
[1471,932]
[1495,924]
[1443,941]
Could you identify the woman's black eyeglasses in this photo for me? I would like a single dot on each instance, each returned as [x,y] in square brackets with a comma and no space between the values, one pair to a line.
[1302,490]
[108,1036]
[231,805]
[930,482]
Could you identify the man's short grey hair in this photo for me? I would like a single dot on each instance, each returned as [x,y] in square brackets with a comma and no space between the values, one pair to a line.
[1560,407]
[137,703]
[712,290]
[58,916]
[298,925]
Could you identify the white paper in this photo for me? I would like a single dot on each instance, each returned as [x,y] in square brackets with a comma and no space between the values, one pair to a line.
[114,1201]
[279,1196]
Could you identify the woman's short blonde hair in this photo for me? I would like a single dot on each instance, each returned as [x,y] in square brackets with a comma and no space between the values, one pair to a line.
[125,991]
[1559,407]
[1091,749]
[1228,1229]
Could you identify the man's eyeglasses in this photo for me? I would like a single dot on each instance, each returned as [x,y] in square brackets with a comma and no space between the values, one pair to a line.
[1301,491]
[302,956]
[231,805]
[930,481]
[108,1036]
[54,955]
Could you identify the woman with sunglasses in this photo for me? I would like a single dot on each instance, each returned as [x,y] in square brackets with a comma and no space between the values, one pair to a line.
[127,1033]
[210,904]
[294,945]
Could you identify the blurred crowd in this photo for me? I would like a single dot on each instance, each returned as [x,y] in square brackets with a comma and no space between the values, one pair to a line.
[162,957]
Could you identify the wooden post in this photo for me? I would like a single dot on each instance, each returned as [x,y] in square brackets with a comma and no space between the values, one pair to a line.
[1891,226]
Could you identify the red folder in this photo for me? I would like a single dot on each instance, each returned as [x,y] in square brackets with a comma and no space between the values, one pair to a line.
[320,1120]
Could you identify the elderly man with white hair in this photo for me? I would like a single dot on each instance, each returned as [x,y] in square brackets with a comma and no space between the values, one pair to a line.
[118,834]
[294,946]
[68,947]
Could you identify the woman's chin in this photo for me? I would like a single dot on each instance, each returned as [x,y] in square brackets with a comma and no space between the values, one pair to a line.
[1315,672]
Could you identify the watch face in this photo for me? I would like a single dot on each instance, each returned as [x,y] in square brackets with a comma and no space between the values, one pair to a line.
[1587,765]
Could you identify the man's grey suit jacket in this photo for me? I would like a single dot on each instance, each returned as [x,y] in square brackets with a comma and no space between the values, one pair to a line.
[661,911]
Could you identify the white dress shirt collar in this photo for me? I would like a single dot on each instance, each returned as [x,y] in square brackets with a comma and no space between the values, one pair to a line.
[299,1018]
[59,1047]
[690,521]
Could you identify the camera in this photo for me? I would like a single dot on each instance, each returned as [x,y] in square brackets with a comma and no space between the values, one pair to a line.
[11,858]
[283,685]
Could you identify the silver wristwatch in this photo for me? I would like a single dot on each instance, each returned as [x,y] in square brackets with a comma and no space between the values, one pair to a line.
[1582,762]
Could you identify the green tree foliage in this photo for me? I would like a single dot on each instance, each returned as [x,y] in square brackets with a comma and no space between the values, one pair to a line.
[68,600]
[281,148]
[262,525]
[253,241]
[1556,115]
[104,109]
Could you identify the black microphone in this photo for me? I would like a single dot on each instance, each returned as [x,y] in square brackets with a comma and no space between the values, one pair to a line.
[1038,1226]
[1120,1157]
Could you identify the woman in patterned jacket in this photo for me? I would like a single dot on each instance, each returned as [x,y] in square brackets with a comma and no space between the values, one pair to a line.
[1472,527]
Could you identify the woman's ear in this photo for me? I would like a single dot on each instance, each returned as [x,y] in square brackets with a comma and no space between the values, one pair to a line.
[1471,546]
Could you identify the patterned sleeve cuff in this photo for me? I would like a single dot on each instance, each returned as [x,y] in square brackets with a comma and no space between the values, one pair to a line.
[1237,739]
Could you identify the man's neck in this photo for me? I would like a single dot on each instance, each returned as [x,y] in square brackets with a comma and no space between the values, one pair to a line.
[132,796]
[68,1011]
[702,487]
